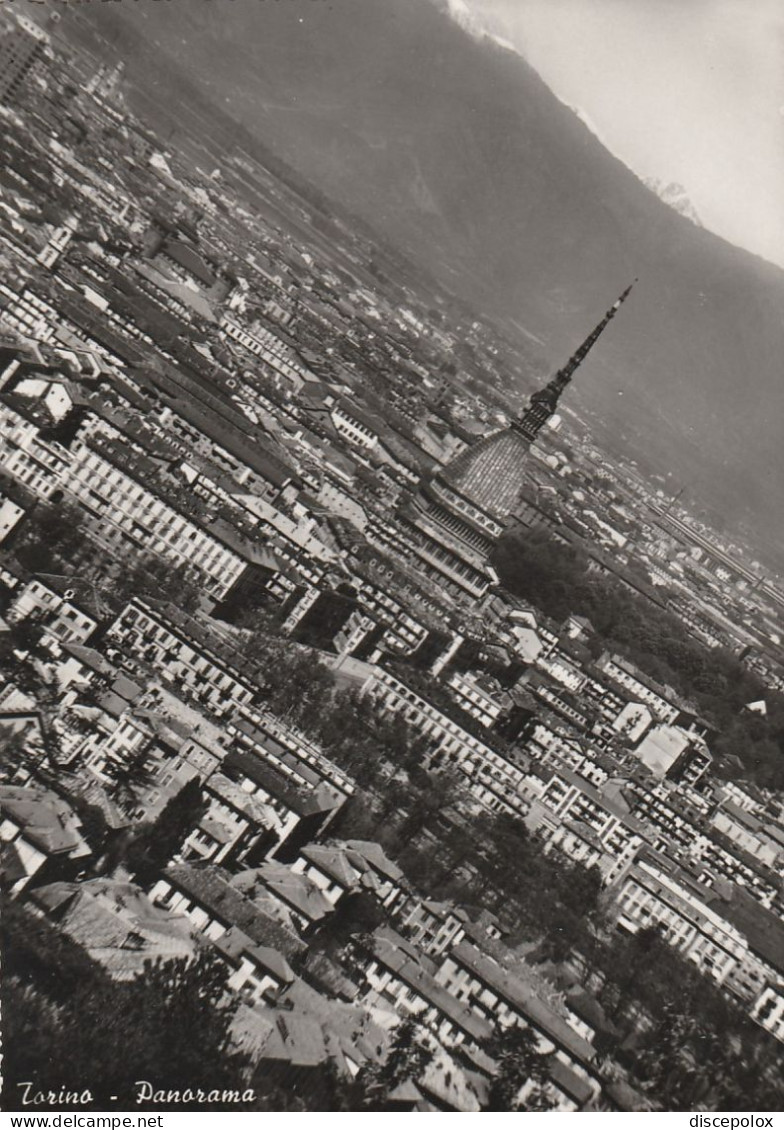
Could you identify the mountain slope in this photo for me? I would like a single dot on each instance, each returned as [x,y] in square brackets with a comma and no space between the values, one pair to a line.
[455,150]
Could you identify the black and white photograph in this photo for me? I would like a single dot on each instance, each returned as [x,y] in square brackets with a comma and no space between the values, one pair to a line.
[391,559]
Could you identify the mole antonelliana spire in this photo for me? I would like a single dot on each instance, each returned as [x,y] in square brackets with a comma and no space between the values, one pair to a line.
[544,402]
[459,513]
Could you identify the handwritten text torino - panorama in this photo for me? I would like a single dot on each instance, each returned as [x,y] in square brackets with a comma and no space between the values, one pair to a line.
[144,1092]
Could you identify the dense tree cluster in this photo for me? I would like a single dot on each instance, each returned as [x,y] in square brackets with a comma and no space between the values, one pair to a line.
[521,1068]
[686,1043]
[493,862]
[555,578]
[67,1024]
[51,539]
[375,1086]
[153,844]
[664,1014]
[146,575]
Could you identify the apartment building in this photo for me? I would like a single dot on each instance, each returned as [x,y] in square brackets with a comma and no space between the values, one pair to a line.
[55,601]
[768,1009]
[650,896]
[120,508]
[353,426]
[494,780]
[496,995]
[638,687]
[475,700]
[167,641]
[577,818]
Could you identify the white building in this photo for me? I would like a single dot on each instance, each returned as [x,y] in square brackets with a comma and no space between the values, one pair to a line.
[648,896]
[10,517]
[123,510]
[495,781]
[768,1009]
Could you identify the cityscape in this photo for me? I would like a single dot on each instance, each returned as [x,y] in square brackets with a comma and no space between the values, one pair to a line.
[371,738]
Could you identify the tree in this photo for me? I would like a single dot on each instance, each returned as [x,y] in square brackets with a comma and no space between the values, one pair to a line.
[433,794]
[405,1062]
[358,912]
[53,537]
[300,688]
[146,574]
[515,1050]
[556,579]
[14,753]
[127,777]
[153,848]
[171,1025]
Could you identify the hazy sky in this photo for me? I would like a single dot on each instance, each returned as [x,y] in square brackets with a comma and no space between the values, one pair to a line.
[683,90]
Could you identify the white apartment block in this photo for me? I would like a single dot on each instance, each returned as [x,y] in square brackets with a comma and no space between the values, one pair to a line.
[130,738]
[493,780]
[64,620]
[649,897]
[58,241]
[563,671]
[28,314]
[181,659]
[122,509]
[474,700]
[573,818]
[136,514]
[492,993]
[352,429]
[10,516]
[677,831]
[151,636]
[286,749]
[768,1010]
[264,344]
[624,676]
[549,747]
[26,456]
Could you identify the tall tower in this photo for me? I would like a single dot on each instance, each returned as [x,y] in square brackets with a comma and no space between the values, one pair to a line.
[459,514]
[543,403]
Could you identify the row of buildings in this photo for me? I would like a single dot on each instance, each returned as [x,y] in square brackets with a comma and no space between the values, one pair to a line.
[201,400]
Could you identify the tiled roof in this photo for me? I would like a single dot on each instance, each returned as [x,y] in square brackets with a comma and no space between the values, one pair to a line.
[211,888]
[297,1040]
[256,811]
[113,704]
[91,790]
[331,861]
[763,929]
[490,473]
[44,818]
[239,763]
[178,291]
[81,594]
[397,959]
[116,923]
[372,855]
[520,996]
[569,1082]
[297,891]
[235,944]
[190,260]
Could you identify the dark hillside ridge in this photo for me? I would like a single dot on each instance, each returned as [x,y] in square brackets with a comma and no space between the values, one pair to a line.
[457,153]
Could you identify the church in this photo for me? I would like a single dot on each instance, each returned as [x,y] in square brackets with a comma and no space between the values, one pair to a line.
[458,515]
